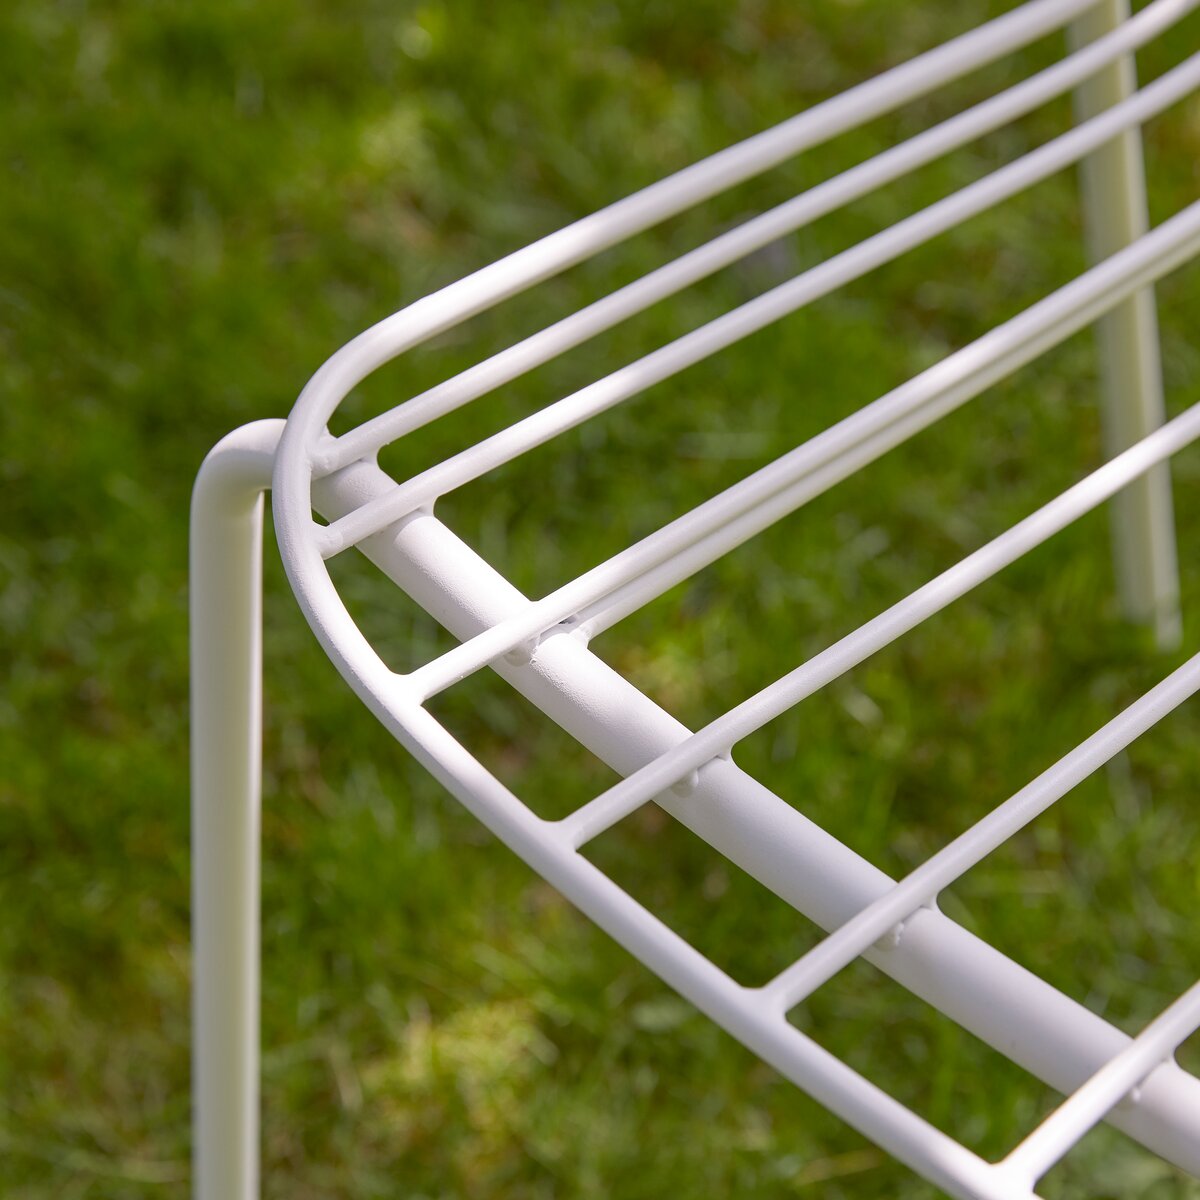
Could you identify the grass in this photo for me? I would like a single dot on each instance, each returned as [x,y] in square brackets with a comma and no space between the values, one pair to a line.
[205,202]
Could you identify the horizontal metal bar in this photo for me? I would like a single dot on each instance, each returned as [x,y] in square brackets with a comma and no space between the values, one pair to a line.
[1087,1106]
[1012,1010]
[923,884]
[705,341]
[891,164]
[730,518]
[720,735]
[551,255]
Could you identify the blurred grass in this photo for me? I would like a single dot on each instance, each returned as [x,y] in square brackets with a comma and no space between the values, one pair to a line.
[204,202]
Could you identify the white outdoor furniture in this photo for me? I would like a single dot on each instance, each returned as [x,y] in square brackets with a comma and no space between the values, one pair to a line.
[541,647]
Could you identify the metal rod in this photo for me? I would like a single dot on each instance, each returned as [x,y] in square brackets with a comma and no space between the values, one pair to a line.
[1113,186]
[837,1086]
[225,603]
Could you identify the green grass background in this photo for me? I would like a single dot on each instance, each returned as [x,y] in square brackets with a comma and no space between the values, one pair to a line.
[201,203]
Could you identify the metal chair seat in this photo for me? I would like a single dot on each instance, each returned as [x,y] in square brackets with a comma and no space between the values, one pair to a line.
[540,647]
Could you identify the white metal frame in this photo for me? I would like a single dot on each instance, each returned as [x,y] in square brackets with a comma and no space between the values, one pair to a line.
[541,647]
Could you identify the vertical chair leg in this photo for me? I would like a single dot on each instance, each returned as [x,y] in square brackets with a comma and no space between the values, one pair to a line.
[225,599]
[1113,183]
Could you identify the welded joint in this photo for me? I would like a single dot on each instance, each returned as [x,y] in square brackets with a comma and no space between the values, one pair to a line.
[1016,1181]
[1133,1097]
[892,939]
[691,781]
[404,694]
[523,653]
[895,935]
[687,785]
[322,456]
[331,539]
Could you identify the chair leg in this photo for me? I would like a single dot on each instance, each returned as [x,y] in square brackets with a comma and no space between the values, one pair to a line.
[1113,186]
[225,599]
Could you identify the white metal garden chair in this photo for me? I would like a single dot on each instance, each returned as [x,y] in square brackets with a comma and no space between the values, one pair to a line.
[541,647]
